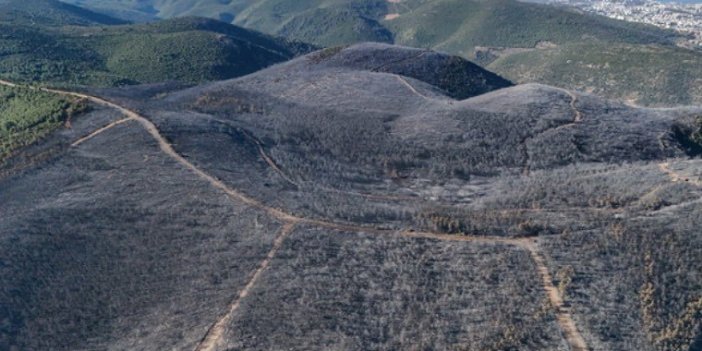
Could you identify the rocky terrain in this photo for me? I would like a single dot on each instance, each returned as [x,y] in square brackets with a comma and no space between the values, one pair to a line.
[371,197]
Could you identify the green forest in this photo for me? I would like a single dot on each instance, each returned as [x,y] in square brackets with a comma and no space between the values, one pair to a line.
[27,115]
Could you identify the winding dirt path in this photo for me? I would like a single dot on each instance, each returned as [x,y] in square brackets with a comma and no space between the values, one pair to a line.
[100,131]
[396,4]
[577,118]
[676,177]
[402,79]
[563,313]
[411,88]
[573,101]
[8,84]
[274,166]
[214,334]
[269,160]
[394,62]
[216,331]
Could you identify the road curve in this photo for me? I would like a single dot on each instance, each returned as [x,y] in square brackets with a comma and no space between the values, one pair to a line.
[215,332]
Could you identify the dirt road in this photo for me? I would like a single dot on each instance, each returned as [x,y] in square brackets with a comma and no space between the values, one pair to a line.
[216,331]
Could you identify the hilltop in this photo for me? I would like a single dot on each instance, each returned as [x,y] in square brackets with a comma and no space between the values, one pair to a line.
[455,76]
[534,42]
[345,200]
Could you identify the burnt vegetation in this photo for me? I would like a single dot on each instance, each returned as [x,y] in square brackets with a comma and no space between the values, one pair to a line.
[115,243]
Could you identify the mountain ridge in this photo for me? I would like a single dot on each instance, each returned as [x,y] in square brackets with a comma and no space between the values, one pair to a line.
[52,13]
[189,50]
[483,31]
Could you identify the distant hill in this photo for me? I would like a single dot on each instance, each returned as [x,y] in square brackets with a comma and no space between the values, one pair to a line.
[648,75]
[452,25]
[65,50]
[51,13]
[131,10]
[471,28]
[459,26]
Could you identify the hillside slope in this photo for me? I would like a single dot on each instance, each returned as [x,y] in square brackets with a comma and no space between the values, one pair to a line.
[518,33]
[51,13]
[457,77]
[63,50]
[507,23]
[655,75]
[26,116]
[342,201]
[419,23]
